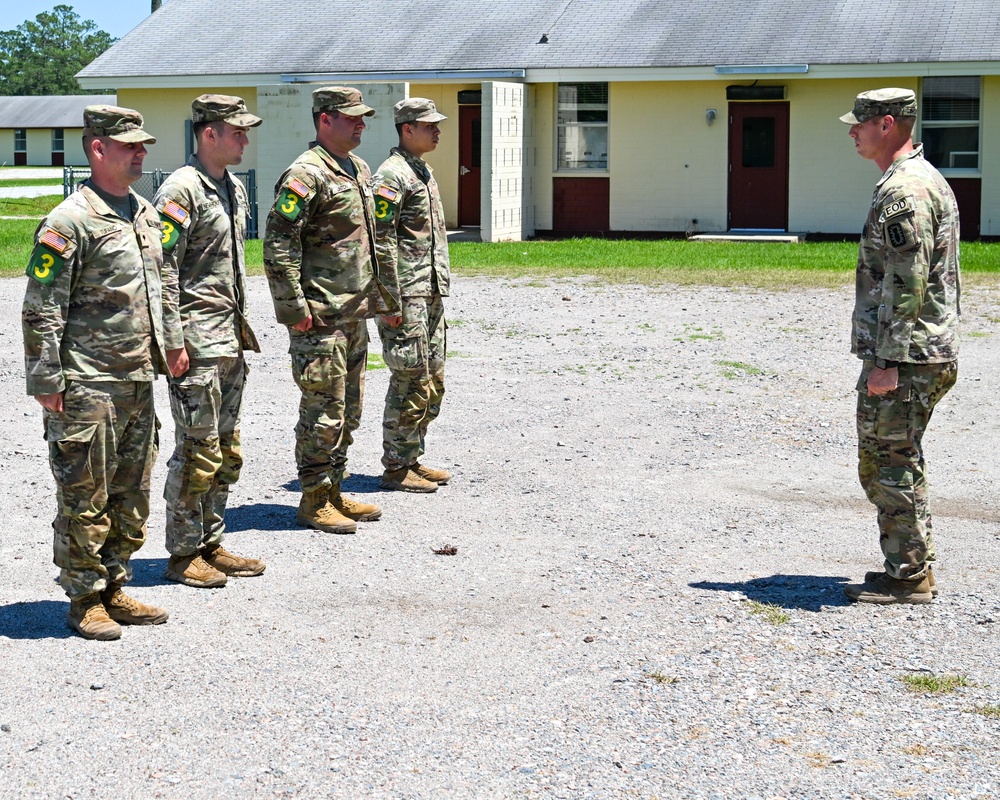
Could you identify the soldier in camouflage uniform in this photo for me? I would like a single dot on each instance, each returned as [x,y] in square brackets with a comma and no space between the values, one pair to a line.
[95,331]
[413,261]
[905,331]
[319,255]
[204,209]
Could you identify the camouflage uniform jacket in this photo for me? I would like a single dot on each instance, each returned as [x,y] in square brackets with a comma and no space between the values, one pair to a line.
[908,283]
[203,257]
[93,308]
[319,245]
[412,237]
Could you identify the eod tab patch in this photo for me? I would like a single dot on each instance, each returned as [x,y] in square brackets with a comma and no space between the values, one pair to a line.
[46,260]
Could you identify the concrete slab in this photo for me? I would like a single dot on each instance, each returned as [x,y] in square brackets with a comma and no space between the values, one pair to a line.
[750,236]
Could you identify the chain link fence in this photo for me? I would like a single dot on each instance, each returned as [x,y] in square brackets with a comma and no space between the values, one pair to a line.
[151,181]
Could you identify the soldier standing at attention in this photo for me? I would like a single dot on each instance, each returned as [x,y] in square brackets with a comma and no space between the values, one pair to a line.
[94,323]
[413,259]
[905,331]
[319,255]
[204,210]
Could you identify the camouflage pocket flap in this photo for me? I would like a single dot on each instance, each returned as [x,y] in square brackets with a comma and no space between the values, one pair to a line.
[58,430]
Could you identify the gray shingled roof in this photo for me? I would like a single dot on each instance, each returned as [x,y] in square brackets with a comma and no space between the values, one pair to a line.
[48,112]
[194,37]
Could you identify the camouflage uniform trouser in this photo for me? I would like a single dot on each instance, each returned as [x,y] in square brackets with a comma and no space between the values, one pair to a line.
[333,391]
[415,354]
[207,458]
[891,462]
[102,447]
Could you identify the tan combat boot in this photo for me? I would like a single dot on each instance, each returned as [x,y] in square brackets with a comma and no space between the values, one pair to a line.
[870,576]
[232,565]
[316,511]
[88,617]
[441,476]
[193,570]
[406,480]
[883,590]
[354,509]
[129,611]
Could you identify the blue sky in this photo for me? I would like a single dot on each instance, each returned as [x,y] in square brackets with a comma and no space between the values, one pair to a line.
[117,17]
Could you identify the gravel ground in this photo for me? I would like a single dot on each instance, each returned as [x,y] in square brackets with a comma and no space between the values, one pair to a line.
[655,507]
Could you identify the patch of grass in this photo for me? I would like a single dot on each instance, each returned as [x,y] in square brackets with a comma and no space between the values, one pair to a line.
[456,323]
[663,678]
[375,360]
[55,183]
[16,240]
[694,333]
[769,611]
[29,206]
[645,326]
[737,369]
[918,750]
[934,684]
[979,334]
[992,712]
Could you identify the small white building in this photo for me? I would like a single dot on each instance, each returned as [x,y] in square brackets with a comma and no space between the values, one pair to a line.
[591,116]
[45,131]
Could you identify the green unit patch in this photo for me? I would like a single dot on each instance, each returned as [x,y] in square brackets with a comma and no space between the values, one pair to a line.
[171,233]
[384,209]
[44,266]
[289,204]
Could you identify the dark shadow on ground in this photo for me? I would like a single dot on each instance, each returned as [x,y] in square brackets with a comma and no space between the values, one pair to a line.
[263,516]
[148,572]
[805,592]
[35,619]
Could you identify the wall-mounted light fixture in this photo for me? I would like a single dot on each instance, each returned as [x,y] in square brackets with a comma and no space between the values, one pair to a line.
[710,115]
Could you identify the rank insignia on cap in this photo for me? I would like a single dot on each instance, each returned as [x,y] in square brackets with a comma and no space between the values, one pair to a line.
[175,211]
[298,187]
[388,193]
[52,239]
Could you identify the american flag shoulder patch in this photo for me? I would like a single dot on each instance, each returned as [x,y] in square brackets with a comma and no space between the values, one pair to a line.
[54,240]
[176,212]
[299,187]
[387,192]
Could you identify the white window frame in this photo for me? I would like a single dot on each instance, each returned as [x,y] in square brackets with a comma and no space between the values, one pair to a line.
[61,141]
[560,127]
[945,169]
[21,138]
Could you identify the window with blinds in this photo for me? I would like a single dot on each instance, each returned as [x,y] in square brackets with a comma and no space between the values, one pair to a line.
[949,123]
[582,126]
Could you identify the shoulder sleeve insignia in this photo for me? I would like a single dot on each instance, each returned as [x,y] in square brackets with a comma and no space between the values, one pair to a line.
[173,217]
[388,193]
[290,200]
[45,265]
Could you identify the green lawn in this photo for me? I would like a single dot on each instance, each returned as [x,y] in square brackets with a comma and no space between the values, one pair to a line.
[763,264]
[55,183]
[29,206]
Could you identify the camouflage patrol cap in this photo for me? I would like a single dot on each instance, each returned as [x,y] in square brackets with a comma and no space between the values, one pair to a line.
[341,98]
[224,108]
[120,124]
[879,102]
[416,109]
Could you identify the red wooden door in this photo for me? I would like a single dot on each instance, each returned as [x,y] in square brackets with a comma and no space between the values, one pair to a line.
[470,146]
[758,166]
